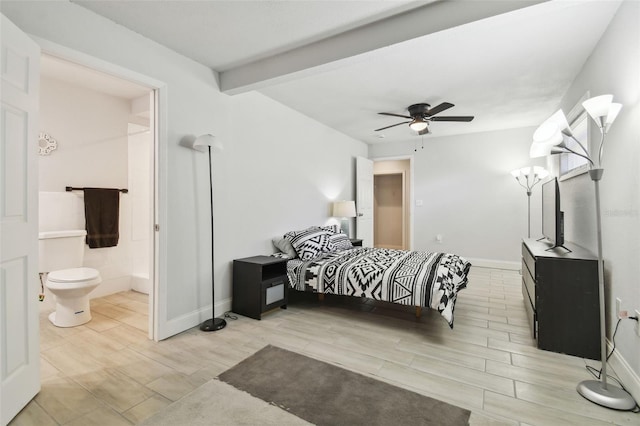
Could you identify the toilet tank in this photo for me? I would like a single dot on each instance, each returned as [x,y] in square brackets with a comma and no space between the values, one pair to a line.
[61,249]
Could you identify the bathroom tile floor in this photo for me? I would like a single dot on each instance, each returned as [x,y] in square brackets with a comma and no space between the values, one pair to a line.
[107,372]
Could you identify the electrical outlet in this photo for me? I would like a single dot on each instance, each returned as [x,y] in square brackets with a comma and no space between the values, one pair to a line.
[638,322]
[618,306]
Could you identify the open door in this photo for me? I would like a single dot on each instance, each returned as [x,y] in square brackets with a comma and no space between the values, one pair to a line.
[364,201]
[19,325]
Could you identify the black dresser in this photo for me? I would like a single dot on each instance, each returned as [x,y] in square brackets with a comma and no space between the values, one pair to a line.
[560,291]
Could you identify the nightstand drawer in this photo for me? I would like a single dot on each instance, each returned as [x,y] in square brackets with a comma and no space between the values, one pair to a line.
[274,293]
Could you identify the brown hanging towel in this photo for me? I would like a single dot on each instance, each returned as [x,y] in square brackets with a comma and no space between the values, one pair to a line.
[102,212]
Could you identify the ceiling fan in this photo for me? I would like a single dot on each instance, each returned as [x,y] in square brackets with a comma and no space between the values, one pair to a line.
[420,115]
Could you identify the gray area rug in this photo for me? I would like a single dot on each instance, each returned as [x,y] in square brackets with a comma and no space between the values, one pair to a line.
[325,394]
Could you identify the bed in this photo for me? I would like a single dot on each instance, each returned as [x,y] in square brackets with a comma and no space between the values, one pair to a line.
[322,260]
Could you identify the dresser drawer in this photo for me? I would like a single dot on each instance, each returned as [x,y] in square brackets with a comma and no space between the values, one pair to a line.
[531,313]
[529,284]
[529,261]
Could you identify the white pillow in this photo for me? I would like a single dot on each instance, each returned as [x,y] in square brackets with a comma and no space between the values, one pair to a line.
[284,246]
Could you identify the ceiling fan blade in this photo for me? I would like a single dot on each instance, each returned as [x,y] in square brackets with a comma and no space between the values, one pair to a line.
[426,131]
[452,118]
[394,115]
[393,125]
[438,108]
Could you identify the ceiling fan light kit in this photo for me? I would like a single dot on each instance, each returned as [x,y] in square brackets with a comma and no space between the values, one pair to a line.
[421,115]
[418,124]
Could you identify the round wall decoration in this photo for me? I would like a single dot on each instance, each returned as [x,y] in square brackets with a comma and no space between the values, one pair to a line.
[46,144]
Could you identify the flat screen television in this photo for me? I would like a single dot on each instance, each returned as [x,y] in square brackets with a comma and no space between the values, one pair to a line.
[552,216]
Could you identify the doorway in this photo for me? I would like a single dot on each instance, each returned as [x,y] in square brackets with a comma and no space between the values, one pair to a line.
[388,211]
[392,195]
[104,129]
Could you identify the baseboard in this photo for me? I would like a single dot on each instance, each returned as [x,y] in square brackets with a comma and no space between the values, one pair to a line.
[194,318]
[497,264]
[627,376]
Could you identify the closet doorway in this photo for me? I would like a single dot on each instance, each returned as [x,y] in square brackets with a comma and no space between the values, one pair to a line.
[392,195]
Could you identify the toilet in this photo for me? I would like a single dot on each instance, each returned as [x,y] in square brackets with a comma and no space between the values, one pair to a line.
[61,255]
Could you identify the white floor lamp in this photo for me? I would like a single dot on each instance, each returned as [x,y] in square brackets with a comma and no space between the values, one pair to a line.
[528,177]
[204,143]
[549,139]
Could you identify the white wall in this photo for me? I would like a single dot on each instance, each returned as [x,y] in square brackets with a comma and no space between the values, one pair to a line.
[468,194]
[274,176]
[613,68]
[280,174]
[91,130]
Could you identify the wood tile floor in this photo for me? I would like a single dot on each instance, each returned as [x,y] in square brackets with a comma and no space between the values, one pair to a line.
[107,372]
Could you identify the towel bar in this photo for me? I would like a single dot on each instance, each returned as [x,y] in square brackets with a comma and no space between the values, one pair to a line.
[71,188]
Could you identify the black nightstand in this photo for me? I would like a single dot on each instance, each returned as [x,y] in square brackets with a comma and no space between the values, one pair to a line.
[260,284]
[356,242]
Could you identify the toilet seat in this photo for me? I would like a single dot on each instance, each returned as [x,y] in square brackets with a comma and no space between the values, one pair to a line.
[73,278]
[73,275]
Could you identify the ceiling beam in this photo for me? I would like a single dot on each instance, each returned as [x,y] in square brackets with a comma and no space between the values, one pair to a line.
[332,52]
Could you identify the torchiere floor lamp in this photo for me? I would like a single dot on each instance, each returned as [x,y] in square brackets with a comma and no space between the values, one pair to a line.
[528,177]
[204,143]
[549,139]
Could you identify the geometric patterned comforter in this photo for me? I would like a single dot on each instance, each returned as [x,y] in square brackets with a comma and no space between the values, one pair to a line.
[412,278]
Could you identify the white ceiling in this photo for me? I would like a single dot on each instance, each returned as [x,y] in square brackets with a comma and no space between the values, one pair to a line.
[508,63]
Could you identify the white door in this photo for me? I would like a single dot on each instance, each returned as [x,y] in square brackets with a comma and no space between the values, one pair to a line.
[19,332]
[364,201]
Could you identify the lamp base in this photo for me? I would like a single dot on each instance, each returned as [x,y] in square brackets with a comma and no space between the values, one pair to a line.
[213,324]
[344,226]
[611,397]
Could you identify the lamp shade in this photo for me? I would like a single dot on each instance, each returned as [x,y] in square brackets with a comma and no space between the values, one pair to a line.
[614,109]
[344,209]
[540,149]
[551,130]
[203,142]
[598,106]
[540,172]
[533,171]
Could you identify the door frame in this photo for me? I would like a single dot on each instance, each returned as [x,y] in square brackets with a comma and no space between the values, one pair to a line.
[157,298]
[405,224]
[409,202]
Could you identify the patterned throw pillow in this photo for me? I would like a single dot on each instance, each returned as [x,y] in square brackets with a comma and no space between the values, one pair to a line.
[341,241]
[334,229]
[310,242]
